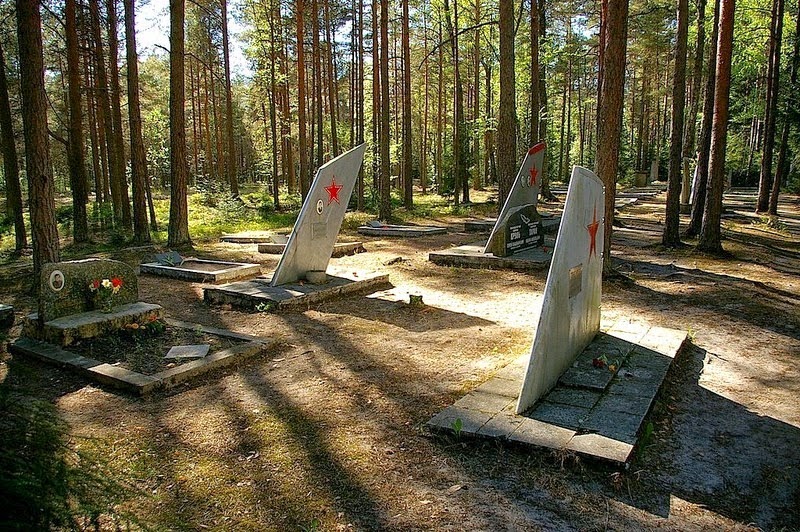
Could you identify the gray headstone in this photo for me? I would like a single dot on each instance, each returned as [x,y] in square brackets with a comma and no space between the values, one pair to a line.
[519,226]
[311,242]
[170,258]
[188,351]
[570,315]
[64,286]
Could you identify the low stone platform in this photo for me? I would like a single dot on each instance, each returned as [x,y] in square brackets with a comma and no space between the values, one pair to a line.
[472,256]
[202,271]
[485,225]
[411,231]
[340,249]
[67,329]
[250,237]
[140,383]
[6,316]
[592,411]
[257,294]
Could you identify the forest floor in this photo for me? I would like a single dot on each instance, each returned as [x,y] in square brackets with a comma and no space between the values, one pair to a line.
[328,430]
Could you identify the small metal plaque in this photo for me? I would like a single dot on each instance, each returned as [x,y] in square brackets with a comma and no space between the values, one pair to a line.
[172,258]
[575,280]
[188,351]
[56,280]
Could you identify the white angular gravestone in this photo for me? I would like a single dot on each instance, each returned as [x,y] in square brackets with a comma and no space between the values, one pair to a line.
[311,242]
[519,226]
[570,315]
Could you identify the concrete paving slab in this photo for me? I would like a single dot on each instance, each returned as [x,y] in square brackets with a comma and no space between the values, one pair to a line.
[541,434]
[408,231]
[202,271]
[472,256]
[340,249]
[249,237]
[258,294]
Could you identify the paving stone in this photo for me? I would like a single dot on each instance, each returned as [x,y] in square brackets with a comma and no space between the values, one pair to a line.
[501,425]
[534,432]
[630,404]
[188,351]
[664,341]
[619,426]
[202,271]
[411,231]
[472,256]
[557,414]
[631,383]
[573,397]
[471,420]
[340,249]
[484,402]
[586,376]
[599,446]
[497,386]
[630,330]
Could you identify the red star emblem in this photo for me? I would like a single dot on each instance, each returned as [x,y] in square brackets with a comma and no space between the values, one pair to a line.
[592,228]
[333,191]
[534,174]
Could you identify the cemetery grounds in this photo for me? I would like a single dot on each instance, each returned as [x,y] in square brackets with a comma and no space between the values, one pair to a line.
[327,431]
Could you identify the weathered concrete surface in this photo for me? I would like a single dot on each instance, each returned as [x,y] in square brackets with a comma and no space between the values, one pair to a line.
[138,383]
[472,256]
[6,316]
[259,294]
[340,249]
[203,271]
[409,231]
[68,329]
[483,225]
[64,286]
[599,421]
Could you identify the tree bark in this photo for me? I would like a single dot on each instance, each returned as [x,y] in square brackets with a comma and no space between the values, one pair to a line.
[139,177]
[44,232]
[385,202]
[230,168]
[704,140]
[671,235]
[301,101]
[534,87]
[10,162]
[408,162]
[773,75]
[178,232]
[507,115]
[710,232]
[613,47]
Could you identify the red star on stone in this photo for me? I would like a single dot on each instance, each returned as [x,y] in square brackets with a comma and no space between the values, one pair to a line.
[333,191]
[592,228]
[534,174]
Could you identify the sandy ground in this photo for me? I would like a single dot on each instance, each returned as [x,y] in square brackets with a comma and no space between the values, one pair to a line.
[328,429]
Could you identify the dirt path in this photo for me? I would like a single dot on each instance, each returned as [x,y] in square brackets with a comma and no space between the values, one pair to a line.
[330,426]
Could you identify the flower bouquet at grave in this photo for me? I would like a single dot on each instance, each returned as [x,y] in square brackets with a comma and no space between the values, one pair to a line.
[103,292]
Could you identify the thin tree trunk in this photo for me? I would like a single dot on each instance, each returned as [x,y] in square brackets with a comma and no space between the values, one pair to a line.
[710,232]
[671,235]
[301,100]
[44,232]
[139,176]
[704,140]
[230,169]
[332,85]
[507,124]
[10,162]
[408,162]
[384,203]
[316,53]
[118,143]
[77,168]
[178,232]
[534,87]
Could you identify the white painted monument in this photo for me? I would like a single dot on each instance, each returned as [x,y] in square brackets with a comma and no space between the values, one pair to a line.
[570,316]
[314,235]
[519,227]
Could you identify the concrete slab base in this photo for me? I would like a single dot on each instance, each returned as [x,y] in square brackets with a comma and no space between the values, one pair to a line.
[259,295]
[410,231]
[472,256]
[592,411]
[485,225]
[67,329]
[340,249]
[249,237]
[203,271]
[139,383]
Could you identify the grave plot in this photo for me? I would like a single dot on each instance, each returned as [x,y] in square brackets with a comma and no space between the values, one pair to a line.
[378,228]
[580,389]
[517,240]
[198,270]
[302,277]
[90,320]
[251,237]
[340,249]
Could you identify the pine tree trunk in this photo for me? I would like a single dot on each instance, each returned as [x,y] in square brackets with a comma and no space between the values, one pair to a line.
[671,235]
[178,232]
[384,203]
[408,161]
[534,87]
[710,232]
[139,176]
[10,162]
[44,233]
[507,116]
[230,169]
[301,100]
[333,99]
[704,140]
[609,108]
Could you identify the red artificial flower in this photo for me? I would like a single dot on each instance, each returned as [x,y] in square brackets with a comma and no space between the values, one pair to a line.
[116,282]
[96,283]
